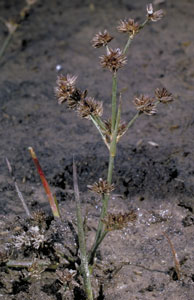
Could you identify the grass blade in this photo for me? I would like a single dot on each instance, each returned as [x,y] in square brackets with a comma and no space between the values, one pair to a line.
[52,199]
[17,188]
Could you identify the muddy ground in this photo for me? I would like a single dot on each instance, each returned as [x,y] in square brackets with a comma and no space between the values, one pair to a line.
[155,179]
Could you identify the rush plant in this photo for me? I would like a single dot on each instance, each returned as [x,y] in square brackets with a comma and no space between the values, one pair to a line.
[111,130]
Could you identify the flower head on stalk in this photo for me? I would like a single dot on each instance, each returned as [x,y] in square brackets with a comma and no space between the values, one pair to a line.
[145,104]
[152,15]
[75,98]
[114,60]
[65,87]
[101,187]
[101,39]
[89,107]
[119,221]
[128,26]
[121,130]
[163,95]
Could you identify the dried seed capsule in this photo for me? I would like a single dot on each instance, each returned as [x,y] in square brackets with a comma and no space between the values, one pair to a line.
[163,95]
[145,104]
[128,26]
[101,39]
[65,87]
[101,187]
[152,15]
[88,107]
[114,60]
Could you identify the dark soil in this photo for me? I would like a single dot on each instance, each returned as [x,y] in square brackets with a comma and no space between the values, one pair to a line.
[155,179]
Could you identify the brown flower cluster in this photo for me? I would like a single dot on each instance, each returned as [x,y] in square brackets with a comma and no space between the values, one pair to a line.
[119,221]
[66,91]
[152,15]
[114,60]
[65,87]
[121,130]
[128,26]
[163,95]
[88,107]
[148,105]
[75,98]
[145,104]
[35,270]
[101,187]
[101,39]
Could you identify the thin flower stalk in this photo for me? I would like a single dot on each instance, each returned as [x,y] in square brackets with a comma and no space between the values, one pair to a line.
[127,44]
[98,125]
[81,236]
[114,101]
[52,198]
[133,120]
[6,43]
[130,39]
[17,189]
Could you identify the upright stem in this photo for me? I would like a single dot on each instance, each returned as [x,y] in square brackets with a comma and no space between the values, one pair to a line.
[82,243]
[114,101]
[100,234]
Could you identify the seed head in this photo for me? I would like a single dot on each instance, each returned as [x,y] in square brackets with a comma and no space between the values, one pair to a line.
[101,39]
[145,104]
[114,60]
[119,221]
[163,95]
[88,107]
[101,187]
[32,238]
[65,87]
[128,26]
[107,132]
[35,270]
[152,15]
[75,98]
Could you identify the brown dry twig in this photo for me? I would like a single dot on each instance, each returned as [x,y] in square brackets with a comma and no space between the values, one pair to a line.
[175,257]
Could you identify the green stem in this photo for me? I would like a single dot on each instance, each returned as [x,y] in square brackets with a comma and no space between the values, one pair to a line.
[131,37]
[127,44]
[143,24]
[6,43]
[100,126]
[81,237]
[105,197]
[99,234]
[95,247]
[133,120]
[114,101]
[100,122]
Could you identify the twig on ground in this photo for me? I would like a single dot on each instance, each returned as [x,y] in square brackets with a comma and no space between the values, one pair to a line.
[175,257]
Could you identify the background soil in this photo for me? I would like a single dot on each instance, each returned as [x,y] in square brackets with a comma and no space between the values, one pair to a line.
[136,263]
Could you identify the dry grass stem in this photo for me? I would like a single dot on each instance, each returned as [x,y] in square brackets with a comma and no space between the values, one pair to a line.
[175,257]
[17,188]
